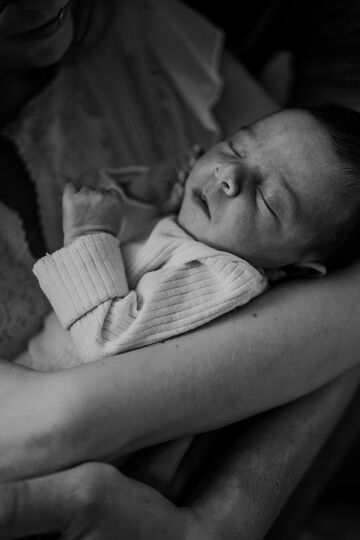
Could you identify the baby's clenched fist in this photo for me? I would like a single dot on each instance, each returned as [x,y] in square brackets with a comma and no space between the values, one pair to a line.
[88,210]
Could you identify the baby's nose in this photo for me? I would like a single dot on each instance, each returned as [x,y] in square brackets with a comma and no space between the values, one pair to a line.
[228,177]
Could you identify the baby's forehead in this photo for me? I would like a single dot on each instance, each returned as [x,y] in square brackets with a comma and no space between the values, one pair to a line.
[285,116]
[304,165]
[325,202]
[297,140]
[292,148]
[289,122]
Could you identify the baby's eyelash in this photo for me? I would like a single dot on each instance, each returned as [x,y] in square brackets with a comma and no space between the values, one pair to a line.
[259,190]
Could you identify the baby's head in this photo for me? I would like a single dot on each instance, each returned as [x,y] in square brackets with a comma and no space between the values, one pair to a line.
[283,191]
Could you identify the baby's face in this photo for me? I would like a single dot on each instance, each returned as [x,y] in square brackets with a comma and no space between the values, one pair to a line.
[264,193]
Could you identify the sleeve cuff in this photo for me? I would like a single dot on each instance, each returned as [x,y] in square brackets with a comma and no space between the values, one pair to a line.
[79,277]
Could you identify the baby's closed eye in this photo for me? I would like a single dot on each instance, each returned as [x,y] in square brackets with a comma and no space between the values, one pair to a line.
[265,201]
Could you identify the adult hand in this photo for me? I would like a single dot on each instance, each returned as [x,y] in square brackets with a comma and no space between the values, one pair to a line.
[87,210]
[91,502]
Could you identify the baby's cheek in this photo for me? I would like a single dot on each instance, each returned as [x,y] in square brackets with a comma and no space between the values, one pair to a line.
[186,212]
[199,174]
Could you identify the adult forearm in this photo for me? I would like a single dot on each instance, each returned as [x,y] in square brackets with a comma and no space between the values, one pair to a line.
[34,414]
[243,490]
[279,347]
[282,346]
[241,497]
[243,99]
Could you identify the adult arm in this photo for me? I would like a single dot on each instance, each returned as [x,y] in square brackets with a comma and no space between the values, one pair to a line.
[277,348]
[92,501]
[243,99]
[238,497]
[270,352]
[255,466]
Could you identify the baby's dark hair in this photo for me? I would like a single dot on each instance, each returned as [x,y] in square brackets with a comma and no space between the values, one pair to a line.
[342,125]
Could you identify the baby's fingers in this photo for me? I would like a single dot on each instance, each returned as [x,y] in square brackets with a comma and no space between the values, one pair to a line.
[195,153]
[69,189]
[172,204]
[68,194]
[188,161]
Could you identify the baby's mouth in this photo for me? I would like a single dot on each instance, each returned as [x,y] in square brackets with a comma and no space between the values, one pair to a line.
[201,200]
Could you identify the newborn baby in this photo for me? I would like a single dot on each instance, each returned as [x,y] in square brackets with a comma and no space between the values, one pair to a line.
[283,191]
[278,198]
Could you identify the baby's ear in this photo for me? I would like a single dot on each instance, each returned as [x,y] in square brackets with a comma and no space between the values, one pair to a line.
[297,270]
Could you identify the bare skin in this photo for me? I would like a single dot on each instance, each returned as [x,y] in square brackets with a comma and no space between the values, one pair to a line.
[69,501]
[172,372]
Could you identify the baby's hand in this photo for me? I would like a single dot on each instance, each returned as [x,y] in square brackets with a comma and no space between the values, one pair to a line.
[185,163]
[167,179]
[163,183]
[88,210]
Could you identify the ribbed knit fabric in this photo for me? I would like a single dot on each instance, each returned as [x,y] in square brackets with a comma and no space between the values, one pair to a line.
[114,298]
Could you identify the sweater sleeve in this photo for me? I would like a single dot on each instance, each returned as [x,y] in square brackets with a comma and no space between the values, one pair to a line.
[86,285]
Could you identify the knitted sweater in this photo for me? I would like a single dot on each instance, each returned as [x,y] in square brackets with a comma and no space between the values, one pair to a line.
[113,298]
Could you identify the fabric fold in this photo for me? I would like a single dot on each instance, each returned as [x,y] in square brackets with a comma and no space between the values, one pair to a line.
[81,276]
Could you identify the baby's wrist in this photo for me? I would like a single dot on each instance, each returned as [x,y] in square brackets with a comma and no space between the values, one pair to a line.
[70,237]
